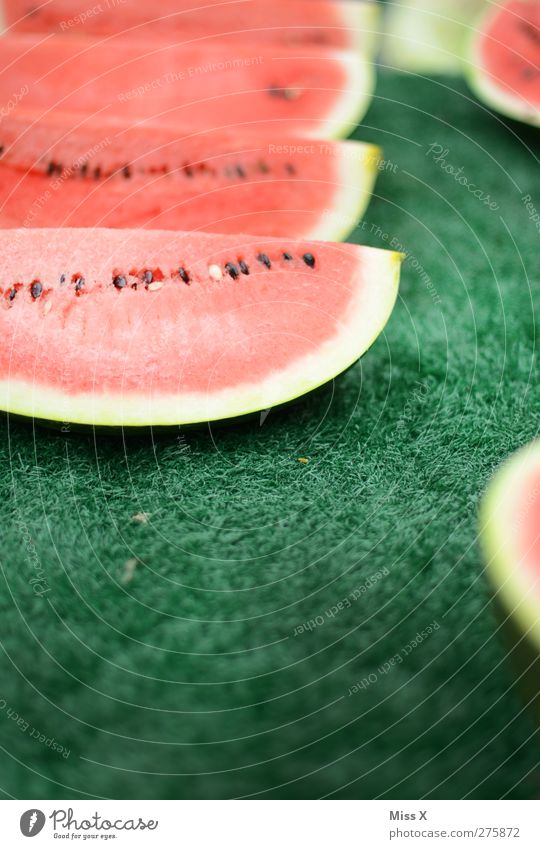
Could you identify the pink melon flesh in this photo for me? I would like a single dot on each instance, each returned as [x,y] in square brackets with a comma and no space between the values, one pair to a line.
[315,90]
[508,57]
[63,172]
[526,521]
[290,22]
[152,327]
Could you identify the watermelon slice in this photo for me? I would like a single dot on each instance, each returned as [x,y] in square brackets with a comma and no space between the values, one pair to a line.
[125,327]
[510,527]
[341,23]
[109,174]
[427,36]
[504,59]
[315,91]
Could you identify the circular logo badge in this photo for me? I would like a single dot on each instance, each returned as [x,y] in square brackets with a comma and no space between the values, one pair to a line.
[32,822]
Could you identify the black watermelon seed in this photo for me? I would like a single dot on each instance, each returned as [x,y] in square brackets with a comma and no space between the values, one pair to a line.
[244,268]
[79,284]
[62,279]
[119,282]
[2,148]
[231,269]
[264,260]
[240,171]
[184,275]
[263,167]
[188,170]
[84,169]
[51,168]
[276,90]
[126,172]
[97,173]
[36,289]
[287,256]
[289,167]
[532,31]
[148,277]
[309,259]
[12,293]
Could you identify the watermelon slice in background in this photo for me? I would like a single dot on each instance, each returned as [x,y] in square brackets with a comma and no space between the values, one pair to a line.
[125,327]
[503,64]
[61,171]
[427,36]
[316,91]
[510,531]
[349,24]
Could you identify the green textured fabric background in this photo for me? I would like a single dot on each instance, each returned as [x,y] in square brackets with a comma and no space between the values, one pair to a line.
[189,674]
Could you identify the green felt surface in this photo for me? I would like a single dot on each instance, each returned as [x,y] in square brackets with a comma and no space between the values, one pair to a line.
[189,680]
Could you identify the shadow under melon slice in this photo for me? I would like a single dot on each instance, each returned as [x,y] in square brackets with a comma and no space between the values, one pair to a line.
[122,327]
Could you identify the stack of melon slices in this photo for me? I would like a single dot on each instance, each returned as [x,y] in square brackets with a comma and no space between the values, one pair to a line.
[139,144]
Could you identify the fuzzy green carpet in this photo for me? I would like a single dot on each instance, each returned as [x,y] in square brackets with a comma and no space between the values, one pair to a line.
[170,657]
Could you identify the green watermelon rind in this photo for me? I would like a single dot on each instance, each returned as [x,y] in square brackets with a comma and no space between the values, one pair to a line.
[514,587]
[492,95]
[365,320]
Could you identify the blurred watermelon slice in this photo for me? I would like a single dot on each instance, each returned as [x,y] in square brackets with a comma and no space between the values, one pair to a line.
[510,528]
[349,24]
[504,59]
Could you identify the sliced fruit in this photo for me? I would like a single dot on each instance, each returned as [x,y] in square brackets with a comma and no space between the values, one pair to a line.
[341,23]
[59,172]
[510,527]
[427,36]
[504,59]
[315,91]
[125,327]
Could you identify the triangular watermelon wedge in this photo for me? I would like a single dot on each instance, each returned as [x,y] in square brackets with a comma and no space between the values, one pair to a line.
[125,327]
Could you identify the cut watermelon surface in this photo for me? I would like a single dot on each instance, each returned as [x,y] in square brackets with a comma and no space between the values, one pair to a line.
[57,172]
[510,526]
[123,327]
[350,24]
[504,60]
[315,91]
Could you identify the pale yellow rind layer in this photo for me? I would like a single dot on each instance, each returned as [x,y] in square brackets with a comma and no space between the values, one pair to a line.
[355,97]
[356,175]
[511,578]
[369,310]
[363,19]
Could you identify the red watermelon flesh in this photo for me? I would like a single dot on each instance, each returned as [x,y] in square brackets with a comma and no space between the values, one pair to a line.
[125,327]
[341,23]
[318,91]
[68,173]
[506,59]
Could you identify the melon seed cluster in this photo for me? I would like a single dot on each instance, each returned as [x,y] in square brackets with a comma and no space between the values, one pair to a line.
[152,279]
[191,171]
